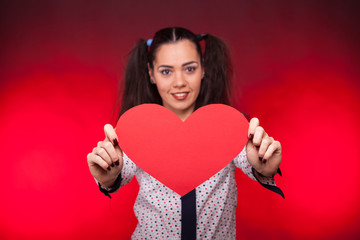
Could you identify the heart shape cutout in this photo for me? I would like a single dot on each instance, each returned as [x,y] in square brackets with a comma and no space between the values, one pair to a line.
[182,155]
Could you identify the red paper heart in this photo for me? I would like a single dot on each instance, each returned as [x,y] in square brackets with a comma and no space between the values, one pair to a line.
[182,155]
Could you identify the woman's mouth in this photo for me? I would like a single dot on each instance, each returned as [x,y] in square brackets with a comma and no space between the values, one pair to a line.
[180,96]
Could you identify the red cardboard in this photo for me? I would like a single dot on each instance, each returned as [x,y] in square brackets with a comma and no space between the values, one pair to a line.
[182,155]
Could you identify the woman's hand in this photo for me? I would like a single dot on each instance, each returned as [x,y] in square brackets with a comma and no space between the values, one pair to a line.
[263,152]
[106,160]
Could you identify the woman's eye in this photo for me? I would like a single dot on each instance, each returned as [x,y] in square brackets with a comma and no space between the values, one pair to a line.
[190,69]
[165,72]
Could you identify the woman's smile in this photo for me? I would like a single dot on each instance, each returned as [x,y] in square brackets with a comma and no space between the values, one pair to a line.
[180,95]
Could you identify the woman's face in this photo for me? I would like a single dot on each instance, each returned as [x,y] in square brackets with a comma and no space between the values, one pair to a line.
[177,74]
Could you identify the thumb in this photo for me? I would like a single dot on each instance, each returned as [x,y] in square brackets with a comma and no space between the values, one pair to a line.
[110,134]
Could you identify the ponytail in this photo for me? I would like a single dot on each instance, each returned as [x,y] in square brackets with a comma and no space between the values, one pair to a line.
[138,89]
[215,87]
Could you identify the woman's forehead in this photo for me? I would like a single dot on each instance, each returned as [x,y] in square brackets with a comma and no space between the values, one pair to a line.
[176,52]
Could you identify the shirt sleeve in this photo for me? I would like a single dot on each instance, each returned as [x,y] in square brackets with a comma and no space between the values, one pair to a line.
[242,162]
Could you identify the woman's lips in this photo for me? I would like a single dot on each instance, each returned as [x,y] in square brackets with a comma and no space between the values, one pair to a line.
[180,96]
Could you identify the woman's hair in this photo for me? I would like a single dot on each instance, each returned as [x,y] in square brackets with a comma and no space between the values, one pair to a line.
[216,61]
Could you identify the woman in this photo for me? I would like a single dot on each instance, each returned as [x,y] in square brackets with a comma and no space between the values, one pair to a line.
[171,70]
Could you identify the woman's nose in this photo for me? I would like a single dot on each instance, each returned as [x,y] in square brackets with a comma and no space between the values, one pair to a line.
[179,81]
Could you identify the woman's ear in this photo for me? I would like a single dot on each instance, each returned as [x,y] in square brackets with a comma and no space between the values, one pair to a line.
[151,74]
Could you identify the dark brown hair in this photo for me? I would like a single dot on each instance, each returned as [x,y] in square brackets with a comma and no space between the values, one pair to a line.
[216,61]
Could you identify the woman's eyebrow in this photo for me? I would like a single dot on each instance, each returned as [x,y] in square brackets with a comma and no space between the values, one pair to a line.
[188,63]
[165,66]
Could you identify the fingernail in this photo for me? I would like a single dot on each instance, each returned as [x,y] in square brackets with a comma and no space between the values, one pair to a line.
[115,142]
[251,136]
[264,160]
[117,163]
[109,168]
[112,165]
[260,158]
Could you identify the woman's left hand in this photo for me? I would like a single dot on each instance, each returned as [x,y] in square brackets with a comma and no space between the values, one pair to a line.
[263,152]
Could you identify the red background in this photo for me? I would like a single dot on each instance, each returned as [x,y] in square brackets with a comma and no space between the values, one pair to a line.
[297,70]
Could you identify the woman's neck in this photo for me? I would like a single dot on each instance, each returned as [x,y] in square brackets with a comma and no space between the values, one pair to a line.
[183,114]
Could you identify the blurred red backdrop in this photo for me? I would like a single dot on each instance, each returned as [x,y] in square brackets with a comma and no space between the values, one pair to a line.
[296,70]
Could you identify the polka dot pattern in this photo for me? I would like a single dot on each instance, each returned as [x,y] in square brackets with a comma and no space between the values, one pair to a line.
[158,208]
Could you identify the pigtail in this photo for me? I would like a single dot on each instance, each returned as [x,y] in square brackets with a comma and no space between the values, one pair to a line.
[218,72]
[138,89]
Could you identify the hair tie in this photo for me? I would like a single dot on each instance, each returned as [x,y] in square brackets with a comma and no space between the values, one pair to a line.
[148,42]
[201,36]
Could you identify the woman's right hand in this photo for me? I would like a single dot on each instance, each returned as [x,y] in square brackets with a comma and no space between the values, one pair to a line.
[106,160]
